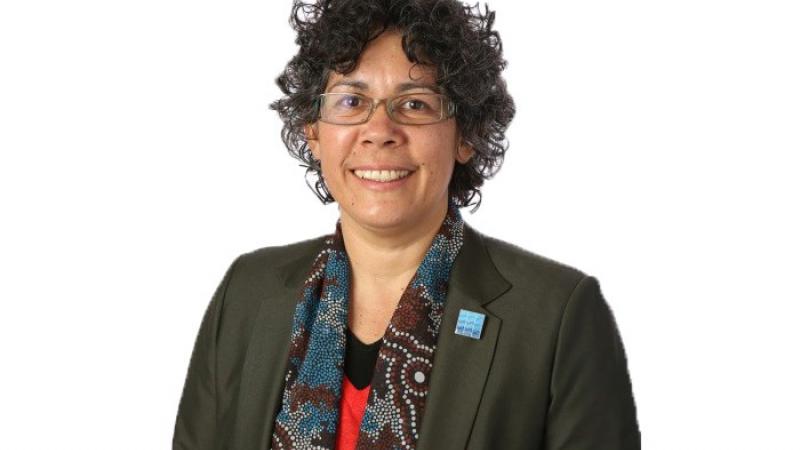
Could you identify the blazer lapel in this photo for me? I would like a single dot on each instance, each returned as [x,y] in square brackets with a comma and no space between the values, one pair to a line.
[461,364]
[268,352]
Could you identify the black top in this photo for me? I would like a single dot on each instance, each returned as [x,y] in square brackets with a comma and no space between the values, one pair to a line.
[359,360]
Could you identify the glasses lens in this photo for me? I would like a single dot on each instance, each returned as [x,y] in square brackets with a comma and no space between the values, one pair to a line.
[420,108]
[410,109]
[343,108]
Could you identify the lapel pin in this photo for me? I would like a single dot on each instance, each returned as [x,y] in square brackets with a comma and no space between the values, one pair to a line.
[470,324]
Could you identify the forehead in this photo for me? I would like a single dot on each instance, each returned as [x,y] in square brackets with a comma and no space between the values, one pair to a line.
[383,65]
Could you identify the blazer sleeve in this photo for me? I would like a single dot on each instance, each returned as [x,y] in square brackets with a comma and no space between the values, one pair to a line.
[195,426]
[591,399]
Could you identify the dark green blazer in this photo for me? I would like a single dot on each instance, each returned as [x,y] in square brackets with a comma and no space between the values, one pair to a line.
[549,371]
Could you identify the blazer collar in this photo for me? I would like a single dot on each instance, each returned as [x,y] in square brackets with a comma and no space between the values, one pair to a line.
[461,364]
[474,274]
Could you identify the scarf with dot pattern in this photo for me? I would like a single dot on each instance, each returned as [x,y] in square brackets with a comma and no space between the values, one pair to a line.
[309,412]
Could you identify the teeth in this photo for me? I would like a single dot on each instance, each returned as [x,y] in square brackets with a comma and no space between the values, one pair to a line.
[381,175]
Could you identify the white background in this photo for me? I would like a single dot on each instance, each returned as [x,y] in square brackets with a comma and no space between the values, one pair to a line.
[655,147]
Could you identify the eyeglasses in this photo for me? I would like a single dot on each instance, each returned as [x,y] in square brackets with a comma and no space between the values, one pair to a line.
[407,109]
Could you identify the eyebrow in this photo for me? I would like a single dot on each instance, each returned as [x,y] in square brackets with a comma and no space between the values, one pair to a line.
[403,87]
[413,85]
[360,85]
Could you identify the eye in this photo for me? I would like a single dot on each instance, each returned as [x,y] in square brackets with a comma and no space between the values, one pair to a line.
[348,101]
[415,104]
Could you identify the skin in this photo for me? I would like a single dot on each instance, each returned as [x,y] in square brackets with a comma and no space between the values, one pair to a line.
[386,229]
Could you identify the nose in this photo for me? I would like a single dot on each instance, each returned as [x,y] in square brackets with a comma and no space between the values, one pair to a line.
[380,130]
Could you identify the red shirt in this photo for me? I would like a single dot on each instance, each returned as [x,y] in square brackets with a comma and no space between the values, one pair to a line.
[351,411]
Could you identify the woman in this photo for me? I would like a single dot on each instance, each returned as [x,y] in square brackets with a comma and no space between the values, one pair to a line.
[405,328]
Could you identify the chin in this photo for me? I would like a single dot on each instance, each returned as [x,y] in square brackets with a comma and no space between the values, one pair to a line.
[379,218]
[384,216]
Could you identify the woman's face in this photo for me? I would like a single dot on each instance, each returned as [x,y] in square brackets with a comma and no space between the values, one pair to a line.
[350,152]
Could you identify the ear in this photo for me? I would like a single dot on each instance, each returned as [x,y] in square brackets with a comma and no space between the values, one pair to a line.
[310,130]
[464,152]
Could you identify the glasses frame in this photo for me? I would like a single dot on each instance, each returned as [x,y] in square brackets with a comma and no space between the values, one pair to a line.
[448,107]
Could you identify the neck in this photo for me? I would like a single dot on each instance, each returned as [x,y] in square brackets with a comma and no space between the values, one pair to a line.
[380,256]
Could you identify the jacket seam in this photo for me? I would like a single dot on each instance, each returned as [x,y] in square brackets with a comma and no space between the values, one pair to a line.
[217,319]
[561,329]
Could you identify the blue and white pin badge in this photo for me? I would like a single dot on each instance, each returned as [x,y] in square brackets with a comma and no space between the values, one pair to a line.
[470,324]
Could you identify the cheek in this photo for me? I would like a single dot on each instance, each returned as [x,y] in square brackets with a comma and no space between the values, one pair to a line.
[438,156]
[334,147]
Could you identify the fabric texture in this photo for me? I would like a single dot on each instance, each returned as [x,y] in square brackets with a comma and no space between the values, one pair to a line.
[309,412]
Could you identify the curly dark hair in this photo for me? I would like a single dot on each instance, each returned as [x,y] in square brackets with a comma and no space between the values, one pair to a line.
[455,38]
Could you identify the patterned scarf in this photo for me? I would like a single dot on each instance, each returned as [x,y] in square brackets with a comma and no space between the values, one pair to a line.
[309,411]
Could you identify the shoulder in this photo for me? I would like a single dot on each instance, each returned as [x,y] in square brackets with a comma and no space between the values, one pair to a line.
[542,294]
[272,258]
[285,252]
[539,288]
[524,268]
[261,282]
[260,273]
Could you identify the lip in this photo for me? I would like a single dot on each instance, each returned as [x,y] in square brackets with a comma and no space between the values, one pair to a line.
[382,167]
[382,186]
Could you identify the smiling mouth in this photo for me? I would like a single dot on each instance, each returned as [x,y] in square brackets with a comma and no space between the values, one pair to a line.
[383,176]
